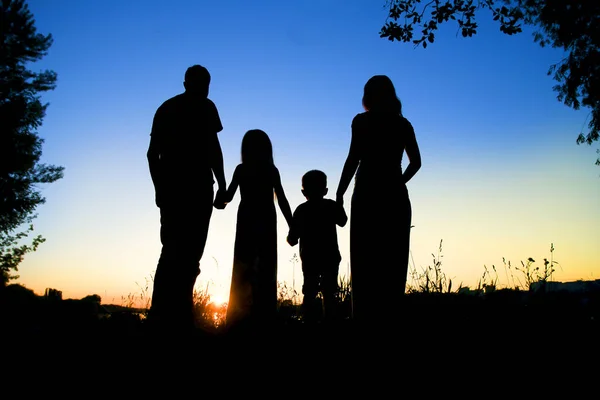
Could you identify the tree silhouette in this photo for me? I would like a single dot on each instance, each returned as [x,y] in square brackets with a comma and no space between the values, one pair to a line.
[571,25]
[21,113]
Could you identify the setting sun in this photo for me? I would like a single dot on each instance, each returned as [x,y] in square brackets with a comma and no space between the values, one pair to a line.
[218,300]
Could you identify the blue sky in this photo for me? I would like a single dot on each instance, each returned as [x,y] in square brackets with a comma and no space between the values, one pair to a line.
[502,175]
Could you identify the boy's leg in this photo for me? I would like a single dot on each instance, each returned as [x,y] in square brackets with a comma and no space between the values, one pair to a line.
[310,291]
[329,289]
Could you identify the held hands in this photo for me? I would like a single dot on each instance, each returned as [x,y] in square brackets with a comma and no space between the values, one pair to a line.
[292,241]
[219,202]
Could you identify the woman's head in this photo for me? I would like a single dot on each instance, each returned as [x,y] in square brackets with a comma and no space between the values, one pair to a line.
[380,95]
[257,148]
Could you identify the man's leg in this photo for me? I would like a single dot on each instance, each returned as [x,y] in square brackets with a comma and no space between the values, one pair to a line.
[184,231]
[163,291]
[198,224]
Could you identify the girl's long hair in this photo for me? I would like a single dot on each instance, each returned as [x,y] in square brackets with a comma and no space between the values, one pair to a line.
[380,95]
[257,148]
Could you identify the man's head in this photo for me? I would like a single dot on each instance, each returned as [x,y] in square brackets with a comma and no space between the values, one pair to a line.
[197,80]
[314,184]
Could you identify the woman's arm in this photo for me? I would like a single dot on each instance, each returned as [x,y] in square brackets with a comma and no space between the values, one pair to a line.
[414,156]
[341,218]
[350,166]
[282,200]
[154,152]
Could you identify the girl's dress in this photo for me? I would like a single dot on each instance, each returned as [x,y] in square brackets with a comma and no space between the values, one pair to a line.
[253,292]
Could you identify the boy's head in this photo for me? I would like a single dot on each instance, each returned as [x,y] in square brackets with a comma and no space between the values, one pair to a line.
[197,80]
[314,184]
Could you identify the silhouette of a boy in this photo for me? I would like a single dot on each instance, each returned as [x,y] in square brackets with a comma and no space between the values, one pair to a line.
[314,225]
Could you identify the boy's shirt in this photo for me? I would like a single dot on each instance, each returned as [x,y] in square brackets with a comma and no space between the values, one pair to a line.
[314,225]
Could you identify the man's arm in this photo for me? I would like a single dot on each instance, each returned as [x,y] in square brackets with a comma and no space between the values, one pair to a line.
[217,162]
[153,156]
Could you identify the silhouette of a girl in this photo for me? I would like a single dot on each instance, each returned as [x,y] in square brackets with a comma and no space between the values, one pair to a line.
[253,291]
[380,211]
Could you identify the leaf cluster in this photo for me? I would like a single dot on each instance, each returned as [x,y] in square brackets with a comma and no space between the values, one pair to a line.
[570,25]
[21,114]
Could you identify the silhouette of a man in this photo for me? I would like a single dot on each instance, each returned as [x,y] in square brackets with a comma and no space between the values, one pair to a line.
[185,158]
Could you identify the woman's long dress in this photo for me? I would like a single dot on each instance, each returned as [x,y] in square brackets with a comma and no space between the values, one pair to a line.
[380,216]
[253,291]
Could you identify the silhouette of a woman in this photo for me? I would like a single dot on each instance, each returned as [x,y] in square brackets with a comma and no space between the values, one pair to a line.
[380,210]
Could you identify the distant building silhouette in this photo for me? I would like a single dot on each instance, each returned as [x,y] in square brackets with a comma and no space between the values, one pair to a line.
[53,294]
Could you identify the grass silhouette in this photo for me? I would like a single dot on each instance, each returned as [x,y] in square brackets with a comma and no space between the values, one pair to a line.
[441,335]
[526,314]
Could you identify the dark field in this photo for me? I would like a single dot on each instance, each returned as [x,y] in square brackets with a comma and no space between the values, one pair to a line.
[520,319]
[449,341]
